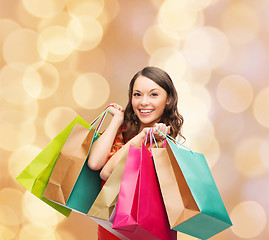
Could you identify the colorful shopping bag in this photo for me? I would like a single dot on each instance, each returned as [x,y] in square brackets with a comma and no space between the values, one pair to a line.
[36,175]
[192,200]
[140,212]
[103,209]
[72,183]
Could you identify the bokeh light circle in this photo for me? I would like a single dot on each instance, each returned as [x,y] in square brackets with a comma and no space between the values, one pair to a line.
[8,216]
[20,158]
[91,90]
[18,115]
[160,56]
[206,47]
[249,219]
[91,8]
[32,82]
[44,8]
[260,107]
[154,38]
[32,231]
[264,151]
[84,32]
[207,144]
[37,211]
[54,44]
[193,5]
[41,81]
[57,119]
[11,198]
[24,17]
[176,65]
[197,75]
[16,136]
[61,19]
[254,189]
[201,92]
[235,93]
[110,12]
[6,232]
[7,26]
[240,23]
[174,15]
[19,46]
[248,158]
[11,84]
[195,107]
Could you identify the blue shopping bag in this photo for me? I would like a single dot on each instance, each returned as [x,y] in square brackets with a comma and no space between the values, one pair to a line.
[191,197]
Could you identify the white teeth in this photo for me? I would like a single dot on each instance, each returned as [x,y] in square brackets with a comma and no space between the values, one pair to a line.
[146,111]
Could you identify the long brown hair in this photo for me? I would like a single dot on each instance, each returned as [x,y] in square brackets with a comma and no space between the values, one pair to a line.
[170,116]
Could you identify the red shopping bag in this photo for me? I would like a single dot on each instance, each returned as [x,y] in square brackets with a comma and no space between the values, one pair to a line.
[140,211]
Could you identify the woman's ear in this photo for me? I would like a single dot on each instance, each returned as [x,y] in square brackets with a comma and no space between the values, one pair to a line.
[168,100]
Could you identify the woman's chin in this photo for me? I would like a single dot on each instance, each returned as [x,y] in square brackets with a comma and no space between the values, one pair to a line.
[148,123]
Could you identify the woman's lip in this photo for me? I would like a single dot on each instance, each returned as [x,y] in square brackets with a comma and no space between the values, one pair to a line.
[145,113]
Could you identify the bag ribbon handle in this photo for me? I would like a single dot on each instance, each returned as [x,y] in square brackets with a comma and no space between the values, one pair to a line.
[168,137]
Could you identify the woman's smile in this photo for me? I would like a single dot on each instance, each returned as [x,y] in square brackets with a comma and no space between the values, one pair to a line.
[146,112]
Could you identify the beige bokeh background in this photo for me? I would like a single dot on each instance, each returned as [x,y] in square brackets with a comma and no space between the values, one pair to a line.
[60,58]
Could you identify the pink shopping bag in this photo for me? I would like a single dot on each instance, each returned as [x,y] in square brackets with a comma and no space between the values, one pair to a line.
[140,211]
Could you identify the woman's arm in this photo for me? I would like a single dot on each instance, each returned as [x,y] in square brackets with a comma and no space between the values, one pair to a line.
[102,146]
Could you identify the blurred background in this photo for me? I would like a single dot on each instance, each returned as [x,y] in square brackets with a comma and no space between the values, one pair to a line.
[60,58]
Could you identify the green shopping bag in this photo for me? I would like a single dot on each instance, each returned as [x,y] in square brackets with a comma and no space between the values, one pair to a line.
[185,175]
[36,175]
[72,183]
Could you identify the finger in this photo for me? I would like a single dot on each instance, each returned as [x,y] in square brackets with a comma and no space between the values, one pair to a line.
[157,134]
[117,106]
[157,126]
[168,130]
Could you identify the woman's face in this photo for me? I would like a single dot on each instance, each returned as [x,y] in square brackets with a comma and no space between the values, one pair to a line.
[148,101]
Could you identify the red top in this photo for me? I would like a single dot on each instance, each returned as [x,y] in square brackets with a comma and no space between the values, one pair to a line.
[103,234]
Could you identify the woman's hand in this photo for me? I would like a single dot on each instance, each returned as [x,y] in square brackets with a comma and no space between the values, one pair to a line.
[161,127]
[117,112]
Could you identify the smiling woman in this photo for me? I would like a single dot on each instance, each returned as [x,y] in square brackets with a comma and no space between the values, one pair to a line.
[152,103]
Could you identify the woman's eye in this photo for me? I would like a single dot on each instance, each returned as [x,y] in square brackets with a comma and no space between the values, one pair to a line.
[154,94]
[137,94]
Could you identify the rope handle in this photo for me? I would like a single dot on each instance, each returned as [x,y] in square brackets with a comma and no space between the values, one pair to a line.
[151,135]
[101,118]
[170,138]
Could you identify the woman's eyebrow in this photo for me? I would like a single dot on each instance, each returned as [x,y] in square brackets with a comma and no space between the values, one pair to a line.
[153,89]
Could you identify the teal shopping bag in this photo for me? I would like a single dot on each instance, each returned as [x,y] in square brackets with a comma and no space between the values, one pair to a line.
[72,183]
[201,211]
[36,175]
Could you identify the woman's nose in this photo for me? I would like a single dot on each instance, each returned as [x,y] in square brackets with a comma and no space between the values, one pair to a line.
[144,101]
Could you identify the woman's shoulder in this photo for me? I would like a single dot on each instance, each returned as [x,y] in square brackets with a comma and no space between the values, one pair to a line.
[119,136]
